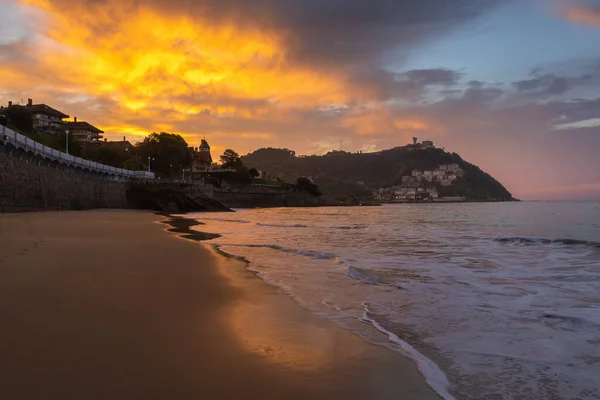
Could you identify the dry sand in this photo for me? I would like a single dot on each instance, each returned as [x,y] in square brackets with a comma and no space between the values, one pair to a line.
[109,305]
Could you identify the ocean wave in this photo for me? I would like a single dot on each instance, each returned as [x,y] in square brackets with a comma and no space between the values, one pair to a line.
[350,227]
[359,275]
[282,225]
[239,221]
[569,322]
[301,252]
[432,373]
[541,241]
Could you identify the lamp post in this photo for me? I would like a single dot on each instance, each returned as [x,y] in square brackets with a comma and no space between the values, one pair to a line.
[67,141]
[150,159]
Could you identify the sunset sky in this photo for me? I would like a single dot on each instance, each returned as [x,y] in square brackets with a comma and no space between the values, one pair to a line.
[511,85]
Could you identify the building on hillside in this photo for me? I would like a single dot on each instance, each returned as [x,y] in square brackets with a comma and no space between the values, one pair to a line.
[83,131]
[46,119]
[202,163]
[406,179]
[427,144]
[201,157]
[123,145]
[433,193]
[416,173]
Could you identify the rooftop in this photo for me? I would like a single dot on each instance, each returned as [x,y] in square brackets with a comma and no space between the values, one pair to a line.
[83,125]
[40,109]
[46,109]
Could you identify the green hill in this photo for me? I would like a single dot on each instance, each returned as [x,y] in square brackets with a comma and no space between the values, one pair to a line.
[358,174]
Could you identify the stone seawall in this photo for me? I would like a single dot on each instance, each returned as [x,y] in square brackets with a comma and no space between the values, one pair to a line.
[29,183]
[266,200]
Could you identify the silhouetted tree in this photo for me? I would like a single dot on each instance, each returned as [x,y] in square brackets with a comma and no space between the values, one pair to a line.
[113,156]
[230,159]
[305,185]
[168,152]
[19,117]
[254,172]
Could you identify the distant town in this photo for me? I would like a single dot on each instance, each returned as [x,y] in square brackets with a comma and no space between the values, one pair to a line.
[421,185]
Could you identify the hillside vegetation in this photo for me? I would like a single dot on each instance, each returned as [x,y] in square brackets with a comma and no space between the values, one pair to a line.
[357,174]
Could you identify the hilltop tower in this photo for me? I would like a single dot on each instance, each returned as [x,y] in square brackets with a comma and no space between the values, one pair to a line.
[204,158]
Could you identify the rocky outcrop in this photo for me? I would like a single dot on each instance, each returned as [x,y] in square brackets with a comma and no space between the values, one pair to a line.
[170,199]
[253,199]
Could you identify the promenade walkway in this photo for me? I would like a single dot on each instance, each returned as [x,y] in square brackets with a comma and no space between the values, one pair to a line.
[10,137]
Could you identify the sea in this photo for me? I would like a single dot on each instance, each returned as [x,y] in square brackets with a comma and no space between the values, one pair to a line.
[490,300]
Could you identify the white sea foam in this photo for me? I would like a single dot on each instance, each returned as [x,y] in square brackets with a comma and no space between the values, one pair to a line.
[430,371]
[505,313]
[360,276]
[301,252]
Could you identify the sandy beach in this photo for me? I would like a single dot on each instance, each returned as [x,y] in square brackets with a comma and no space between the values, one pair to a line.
[109,305]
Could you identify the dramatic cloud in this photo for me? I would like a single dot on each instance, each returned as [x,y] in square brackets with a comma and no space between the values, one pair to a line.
[209,61]
[550,83]
[438,76]
[574,113]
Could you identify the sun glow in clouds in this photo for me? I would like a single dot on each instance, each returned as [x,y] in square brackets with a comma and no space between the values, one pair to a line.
[142,58]
[139,67]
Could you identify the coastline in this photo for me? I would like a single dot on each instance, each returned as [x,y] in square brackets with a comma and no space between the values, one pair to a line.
[109,304]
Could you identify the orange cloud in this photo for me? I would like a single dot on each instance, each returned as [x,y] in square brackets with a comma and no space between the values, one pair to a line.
[143,58]
[583,14]
[136,69]
[381,121]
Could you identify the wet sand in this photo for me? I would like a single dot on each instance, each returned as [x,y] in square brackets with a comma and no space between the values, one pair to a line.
[109,305]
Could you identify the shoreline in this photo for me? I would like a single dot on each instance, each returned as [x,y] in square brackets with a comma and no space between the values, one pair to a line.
[100,305]
[429,370]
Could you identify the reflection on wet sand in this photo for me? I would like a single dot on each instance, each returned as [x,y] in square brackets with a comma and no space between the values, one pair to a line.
[331,360]
[283,339]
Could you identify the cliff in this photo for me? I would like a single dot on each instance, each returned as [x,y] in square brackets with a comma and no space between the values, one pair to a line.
[358,174]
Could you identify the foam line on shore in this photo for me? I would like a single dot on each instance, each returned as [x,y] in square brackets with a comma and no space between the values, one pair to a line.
[433,375]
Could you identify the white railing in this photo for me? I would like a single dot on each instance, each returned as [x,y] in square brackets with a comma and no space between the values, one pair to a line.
[8,136]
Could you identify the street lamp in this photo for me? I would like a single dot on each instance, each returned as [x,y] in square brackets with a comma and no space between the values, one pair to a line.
[150,159]
[67,141]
